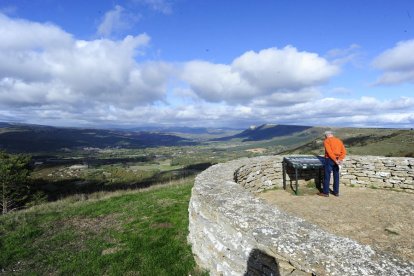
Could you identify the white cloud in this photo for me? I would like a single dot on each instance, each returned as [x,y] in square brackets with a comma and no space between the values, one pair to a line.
[8,9]
[397,64]
[217,82]
[184,94]
[116,20]
[18,34]
[340,91]
[343,56]
[286,68]
[366,111]
[323,112]
[162,6]
[286,98]
[279,75]
[44,65]
[49,77]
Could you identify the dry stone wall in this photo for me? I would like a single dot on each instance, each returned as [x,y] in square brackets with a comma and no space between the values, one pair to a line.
[378,171]
[234,233]
[367,171]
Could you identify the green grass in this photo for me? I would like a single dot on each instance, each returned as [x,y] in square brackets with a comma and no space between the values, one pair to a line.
[122,233]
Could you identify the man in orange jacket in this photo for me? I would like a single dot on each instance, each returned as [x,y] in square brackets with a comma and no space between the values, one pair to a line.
[334,156]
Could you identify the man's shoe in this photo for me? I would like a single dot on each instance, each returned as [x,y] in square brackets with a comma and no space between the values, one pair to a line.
[322,194]
[336,195]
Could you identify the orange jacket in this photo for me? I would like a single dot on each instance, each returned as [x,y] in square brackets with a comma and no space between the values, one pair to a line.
[334,148]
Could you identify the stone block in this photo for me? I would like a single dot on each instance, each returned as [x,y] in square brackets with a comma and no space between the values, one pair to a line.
[394,181]
[251,178]
[360,174]
[406,186]
[368,167]
[400,168]
[402,174]
[348,176]
[357,182]
[376,180]
[388,185]
[383,174]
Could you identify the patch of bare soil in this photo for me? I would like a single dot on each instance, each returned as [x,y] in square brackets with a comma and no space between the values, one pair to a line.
[383,219]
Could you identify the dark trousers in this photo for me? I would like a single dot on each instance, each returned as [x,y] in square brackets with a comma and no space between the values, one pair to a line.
[331,166]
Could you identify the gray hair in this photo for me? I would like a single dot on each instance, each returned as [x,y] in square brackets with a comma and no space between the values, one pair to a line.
[328,132]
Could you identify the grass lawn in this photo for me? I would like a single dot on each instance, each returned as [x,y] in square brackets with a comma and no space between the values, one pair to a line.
[123,233]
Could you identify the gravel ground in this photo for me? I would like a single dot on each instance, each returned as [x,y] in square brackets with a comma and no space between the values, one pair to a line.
[383,219]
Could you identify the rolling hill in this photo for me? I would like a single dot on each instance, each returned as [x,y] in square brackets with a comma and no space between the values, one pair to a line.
[38,138]
[282,139]
[265,132]
[4,125]
[365,141]
[34,138]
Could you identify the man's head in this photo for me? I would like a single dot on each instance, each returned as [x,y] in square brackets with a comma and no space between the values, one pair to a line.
[328,133]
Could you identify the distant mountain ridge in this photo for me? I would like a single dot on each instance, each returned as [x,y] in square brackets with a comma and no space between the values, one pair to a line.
[39,138]
[34,138]
[4,124]
[281,139]
[182,130]
[265,132]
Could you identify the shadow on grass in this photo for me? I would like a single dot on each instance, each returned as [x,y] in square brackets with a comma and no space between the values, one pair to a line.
[54,190]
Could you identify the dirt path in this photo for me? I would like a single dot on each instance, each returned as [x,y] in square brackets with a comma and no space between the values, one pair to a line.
[380,218]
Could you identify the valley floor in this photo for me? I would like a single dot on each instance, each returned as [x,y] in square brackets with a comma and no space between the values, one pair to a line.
[380,218]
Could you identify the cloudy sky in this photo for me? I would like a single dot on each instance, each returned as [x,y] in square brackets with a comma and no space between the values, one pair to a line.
[202,63]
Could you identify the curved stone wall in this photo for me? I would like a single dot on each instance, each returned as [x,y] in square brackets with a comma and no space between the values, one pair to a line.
[234,233]
[371,171]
